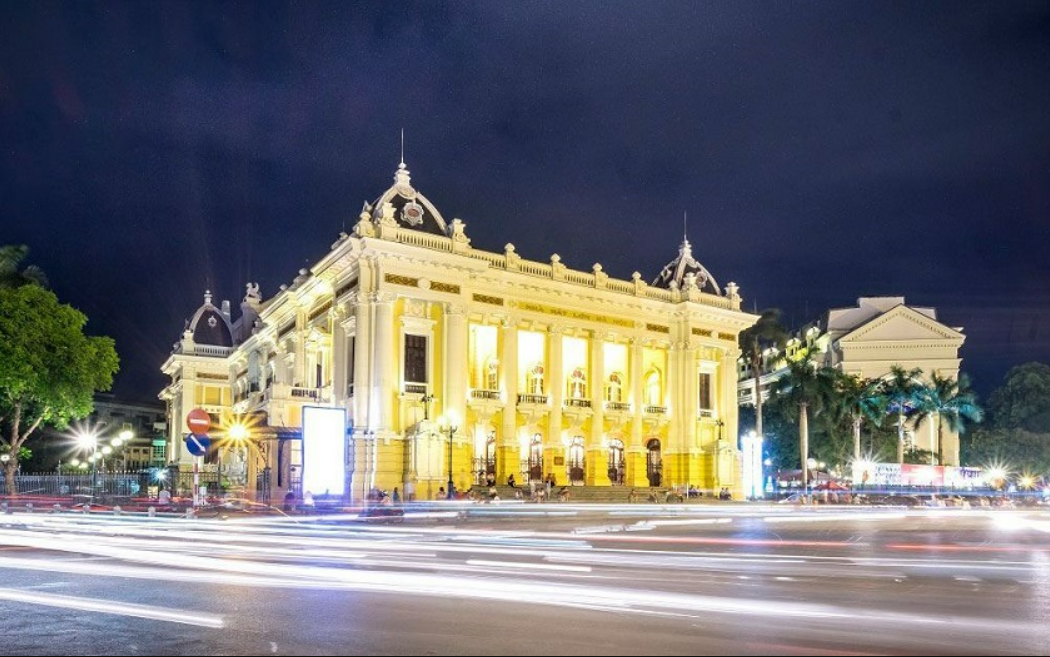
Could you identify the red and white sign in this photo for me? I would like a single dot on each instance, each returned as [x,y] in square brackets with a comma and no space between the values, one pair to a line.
[198,421]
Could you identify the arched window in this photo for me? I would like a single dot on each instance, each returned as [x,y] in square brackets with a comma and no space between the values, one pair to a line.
[578,384]
[577,460]
[614,389]
[492,374]
[653,388]
[536,380]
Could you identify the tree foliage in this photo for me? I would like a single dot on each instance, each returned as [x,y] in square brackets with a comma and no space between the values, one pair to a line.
[12,274]
[49,369]
[1023,402]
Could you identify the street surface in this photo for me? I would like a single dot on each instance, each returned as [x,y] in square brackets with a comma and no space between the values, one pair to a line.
[531,579]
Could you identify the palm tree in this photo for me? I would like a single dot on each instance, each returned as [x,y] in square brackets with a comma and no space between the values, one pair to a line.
[767,332]
[903,391]
[860,399]
[11,257]
[806,386]
[950,401]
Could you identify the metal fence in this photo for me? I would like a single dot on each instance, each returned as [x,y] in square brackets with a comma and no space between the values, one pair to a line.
[119,484]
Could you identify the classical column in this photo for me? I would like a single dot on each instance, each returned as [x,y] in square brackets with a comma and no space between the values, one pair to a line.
[636,475]
[556,389]
[673,444]
[508,451]
[337,356]
[384,378]
[363,347]
[690,411]
[456,364]
[457,371]
[597,455]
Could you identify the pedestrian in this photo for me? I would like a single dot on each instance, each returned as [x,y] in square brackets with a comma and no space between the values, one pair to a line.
[511,482]
[397,496]
[441,493]
[289,501]
[308,500]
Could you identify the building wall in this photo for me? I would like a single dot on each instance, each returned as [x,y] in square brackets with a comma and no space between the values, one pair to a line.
[478,310]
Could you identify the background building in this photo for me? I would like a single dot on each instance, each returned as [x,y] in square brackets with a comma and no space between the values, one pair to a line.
[539,369]
[867,340]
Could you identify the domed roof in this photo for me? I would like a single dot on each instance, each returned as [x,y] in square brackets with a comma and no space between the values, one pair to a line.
[678,269]
[210,326]
[411,209]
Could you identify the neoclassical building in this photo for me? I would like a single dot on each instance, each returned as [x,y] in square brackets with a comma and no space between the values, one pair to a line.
[867,340]
[544,370]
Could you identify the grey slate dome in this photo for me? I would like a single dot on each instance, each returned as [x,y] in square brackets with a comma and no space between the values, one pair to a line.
[210,326]
[685,264]
[411,209]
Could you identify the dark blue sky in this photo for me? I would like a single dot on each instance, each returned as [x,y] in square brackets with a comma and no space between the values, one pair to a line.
[824,151]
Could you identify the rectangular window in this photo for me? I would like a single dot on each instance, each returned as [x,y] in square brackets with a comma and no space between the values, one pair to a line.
[704,392]
[416,358]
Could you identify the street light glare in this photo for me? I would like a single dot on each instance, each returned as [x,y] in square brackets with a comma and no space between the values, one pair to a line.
[126,435]
[238,431]
[107,450]
[87,439]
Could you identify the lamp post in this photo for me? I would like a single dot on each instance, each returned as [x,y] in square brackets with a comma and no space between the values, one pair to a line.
[448,423]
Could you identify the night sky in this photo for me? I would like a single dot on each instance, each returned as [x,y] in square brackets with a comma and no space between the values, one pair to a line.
[823,151]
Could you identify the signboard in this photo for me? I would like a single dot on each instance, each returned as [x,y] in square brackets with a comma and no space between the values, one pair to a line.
[197,444]
[324,450]
[751,448]
[198,421]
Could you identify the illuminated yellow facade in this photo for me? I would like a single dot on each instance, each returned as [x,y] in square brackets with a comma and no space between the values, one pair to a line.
[544,370]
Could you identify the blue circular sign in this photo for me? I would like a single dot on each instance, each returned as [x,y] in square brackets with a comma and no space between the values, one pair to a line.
[197,444]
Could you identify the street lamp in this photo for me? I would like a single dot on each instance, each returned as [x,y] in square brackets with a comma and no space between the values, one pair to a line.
[448,423]
[88,440]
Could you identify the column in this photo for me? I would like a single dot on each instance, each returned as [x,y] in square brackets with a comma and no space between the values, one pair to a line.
[363,346]
[672,444]
[456,368]
[384,381]
[597,456]
[636,475]
[508,451]
[728,408]
[556,389]
[690,409]
[337,354]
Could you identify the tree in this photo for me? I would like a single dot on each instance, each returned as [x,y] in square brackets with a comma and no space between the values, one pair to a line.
[902,391]
[49,370]
[947,401]
[859,399]
[805,386]
[767,332]
[11,276]
[1023,402]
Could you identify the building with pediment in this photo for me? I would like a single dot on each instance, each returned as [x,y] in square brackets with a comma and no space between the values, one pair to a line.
[546,371]
[867,340]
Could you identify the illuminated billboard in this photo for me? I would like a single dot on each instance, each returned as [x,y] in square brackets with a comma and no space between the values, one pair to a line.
[324,450]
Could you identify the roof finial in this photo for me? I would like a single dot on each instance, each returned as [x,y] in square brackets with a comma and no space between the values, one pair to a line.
[685,225]
[402,148]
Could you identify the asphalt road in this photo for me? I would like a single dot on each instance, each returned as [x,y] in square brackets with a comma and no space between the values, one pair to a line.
[531,580]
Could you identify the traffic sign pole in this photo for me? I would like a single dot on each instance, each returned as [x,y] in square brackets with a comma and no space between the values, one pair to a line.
[196,481]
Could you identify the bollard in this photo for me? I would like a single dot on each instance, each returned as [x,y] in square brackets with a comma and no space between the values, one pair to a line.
[151,512]
[87,507]
[29,507]
[4,508]
[56,508]
[189,512]
[116,510]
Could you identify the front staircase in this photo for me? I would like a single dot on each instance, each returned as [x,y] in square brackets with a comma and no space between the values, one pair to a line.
[588,494]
